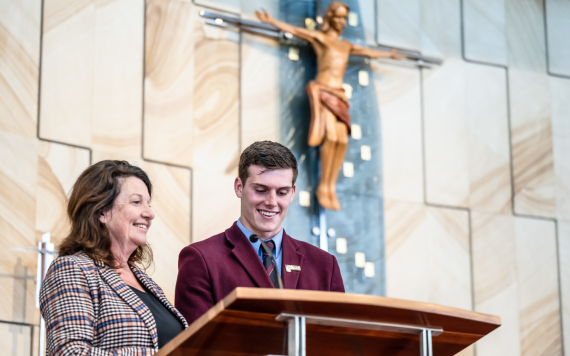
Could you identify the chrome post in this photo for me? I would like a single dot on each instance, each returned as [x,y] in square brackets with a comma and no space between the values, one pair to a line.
[296,335]
[323,238]
[425,343]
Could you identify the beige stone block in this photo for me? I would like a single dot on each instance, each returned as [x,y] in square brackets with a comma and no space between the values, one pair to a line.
[59,166]
[168,83]
[525,34]
[260,95]
[399,103]
[215,203]
[68,62]
[558,32]
[538,291]
[531,140]
[97,156]
[170,229]
[427,254]
[367,18]
[559,94]
[489,151]
[16,340]
[405,242]
[198,125]
[244,8]
[495,280]
[484,24]
[118,76]
[399,23]
[440,28]
[19,61]
[215,100]
[564,268]
[18,182]
[446,134]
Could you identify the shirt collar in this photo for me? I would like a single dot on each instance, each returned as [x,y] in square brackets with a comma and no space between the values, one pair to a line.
[277,239]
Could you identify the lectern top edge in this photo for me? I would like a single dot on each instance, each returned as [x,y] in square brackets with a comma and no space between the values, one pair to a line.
[355,299]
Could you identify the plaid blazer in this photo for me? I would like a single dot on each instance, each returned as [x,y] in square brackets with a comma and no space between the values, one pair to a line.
[89,310]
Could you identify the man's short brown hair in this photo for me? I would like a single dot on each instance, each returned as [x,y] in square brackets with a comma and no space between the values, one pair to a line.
[268,154]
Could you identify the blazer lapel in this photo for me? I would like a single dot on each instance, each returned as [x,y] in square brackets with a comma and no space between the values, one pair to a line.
[131,299]
[290,257]
[244,253]
[152,287]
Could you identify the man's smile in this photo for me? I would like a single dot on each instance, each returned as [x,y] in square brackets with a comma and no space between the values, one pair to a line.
[267,213]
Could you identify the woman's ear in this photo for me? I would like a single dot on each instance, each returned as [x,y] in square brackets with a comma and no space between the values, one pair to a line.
[103,218]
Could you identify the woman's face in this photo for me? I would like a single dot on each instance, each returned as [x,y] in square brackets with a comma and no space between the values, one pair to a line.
[130,217]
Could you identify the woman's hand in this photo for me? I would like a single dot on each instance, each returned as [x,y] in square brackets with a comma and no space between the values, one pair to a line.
[264,16]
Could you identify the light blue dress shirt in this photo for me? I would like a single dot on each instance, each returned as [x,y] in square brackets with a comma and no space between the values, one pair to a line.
[278,239]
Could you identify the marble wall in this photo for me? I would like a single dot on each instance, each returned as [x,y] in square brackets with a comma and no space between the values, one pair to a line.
[485,137]
[474,164]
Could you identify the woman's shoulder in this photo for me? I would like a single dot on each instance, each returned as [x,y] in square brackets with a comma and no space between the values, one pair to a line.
[78,260]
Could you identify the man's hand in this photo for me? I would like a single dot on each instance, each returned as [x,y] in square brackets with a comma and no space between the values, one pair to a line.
[395,55]
[264,16]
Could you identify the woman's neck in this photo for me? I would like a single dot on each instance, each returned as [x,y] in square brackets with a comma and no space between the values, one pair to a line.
[122,255]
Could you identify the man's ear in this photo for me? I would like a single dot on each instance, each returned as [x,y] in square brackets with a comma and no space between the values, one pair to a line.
[238,187]
[293,195]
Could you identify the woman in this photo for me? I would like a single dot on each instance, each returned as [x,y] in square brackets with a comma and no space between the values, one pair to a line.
[94,299]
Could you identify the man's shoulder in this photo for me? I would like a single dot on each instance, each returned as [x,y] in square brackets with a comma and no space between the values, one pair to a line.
[210,245]
[313,251]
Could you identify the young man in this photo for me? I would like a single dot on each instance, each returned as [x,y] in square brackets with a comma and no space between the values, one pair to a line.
[209,270]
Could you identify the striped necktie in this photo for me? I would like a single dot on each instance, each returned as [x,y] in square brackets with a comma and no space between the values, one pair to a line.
[268,262]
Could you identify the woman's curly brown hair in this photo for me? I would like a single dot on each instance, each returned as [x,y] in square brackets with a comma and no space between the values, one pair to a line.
[93,193]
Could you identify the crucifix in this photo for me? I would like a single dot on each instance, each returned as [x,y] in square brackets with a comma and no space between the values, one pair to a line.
[330,120]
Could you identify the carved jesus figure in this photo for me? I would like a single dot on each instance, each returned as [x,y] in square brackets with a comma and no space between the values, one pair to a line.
[330,121]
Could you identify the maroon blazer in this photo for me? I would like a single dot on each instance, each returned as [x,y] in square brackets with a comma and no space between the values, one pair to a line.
[209,270]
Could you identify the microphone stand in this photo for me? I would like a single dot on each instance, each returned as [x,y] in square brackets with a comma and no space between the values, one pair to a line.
[254,238]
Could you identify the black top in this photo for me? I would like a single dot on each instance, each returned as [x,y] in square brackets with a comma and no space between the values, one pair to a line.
[167,325]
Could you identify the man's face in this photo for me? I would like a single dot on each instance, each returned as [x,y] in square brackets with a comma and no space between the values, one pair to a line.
[338,20]
[265,199]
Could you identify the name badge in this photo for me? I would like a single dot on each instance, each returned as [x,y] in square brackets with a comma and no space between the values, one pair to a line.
[290,268]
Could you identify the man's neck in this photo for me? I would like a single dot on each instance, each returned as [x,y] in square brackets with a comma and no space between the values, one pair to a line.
[261,234]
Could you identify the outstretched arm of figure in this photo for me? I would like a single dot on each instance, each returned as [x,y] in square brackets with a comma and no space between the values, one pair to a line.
[372,53]
[300,32]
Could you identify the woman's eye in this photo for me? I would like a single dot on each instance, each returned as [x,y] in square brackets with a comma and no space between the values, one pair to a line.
[136,202]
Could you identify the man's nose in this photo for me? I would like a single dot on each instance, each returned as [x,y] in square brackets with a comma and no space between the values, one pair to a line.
[271,199]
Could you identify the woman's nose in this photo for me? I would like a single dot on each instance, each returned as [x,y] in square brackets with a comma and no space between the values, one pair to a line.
[148,213]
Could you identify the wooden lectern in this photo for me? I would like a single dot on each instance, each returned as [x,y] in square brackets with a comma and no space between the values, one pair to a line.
[254,321]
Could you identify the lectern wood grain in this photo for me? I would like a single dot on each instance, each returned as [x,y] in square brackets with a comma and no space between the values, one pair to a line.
[244,323]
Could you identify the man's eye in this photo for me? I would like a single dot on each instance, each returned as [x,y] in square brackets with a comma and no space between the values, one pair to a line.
[259,191]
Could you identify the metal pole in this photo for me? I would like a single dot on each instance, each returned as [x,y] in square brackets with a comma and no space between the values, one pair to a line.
[42,337]
[44,261]
[425,343]
[296,335]
[324,241]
